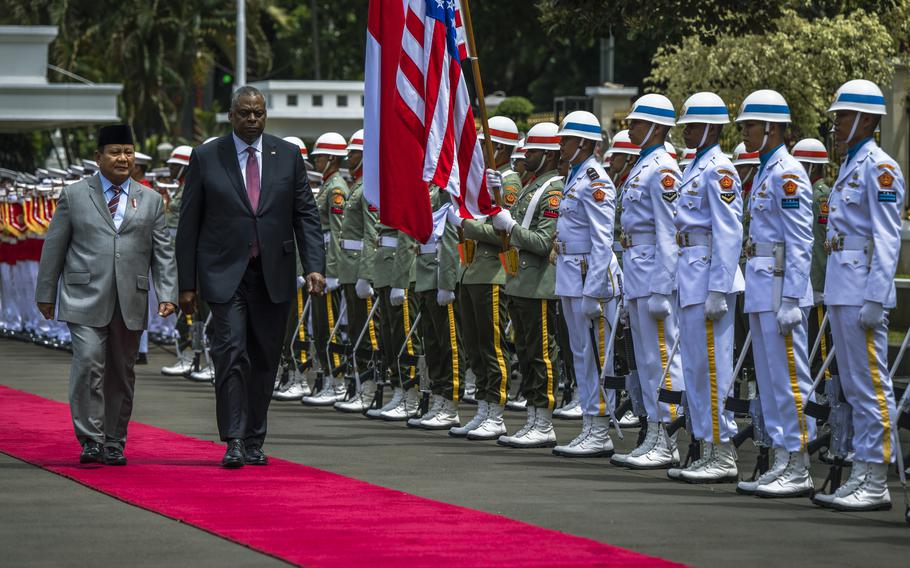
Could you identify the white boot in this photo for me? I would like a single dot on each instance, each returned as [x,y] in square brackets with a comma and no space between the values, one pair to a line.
[720,468]
[296,389]
[397,395]
[360,402]
[780,459]
[585,431]
[541,434]
[857,476]
[661,454]
[794,481]
[871,495]
[571,411]
[505,440]
[707,454]
[596,444]
[204,375]
[405,409]
[629,420]
[470,390]
[183,365]
[646,445]
[479,417]
[446,417]
[519,403]
[333,391]
[431,412]
[492,427]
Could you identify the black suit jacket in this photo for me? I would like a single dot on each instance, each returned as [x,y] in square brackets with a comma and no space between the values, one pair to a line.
[217,224]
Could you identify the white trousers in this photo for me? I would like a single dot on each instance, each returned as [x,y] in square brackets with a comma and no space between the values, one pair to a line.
[707,356]
[653,342]
[862,363]
[782,372]
[591,395]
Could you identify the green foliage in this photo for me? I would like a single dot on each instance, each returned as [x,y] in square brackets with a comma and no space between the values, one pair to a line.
[805,60]
[516,108]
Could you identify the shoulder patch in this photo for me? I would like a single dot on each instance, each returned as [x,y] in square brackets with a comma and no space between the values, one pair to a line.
[728,196]
[510,198]
[667,171]
[599,195]
[372,208]
[886,167]
[667,181]
[592,174]
[557,192]
[790,176]
[669,196]
[511,188]
[552,214]
[789,203]
[337,198]
[887,196]
[726,172]
[598,184]
[790,186]
[726,182]
[554,202]
[885,180]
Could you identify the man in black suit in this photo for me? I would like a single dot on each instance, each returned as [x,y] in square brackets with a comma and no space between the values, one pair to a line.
[246,200]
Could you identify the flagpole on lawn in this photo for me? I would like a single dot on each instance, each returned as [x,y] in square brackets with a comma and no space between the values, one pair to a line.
[478,89]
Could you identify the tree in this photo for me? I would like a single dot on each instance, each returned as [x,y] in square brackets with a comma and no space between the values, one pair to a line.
[805,60]
[516,108]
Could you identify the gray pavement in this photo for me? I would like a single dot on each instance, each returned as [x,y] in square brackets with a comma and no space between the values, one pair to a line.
[642,511]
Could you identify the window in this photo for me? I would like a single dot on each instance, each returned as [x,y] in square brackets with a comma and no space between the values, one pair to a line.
[317,100]
[292,100]
[341,100]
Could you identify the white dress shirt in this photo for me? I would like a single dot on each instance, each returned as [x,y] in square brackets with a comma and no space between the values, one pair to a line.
[243,155]
[106,185]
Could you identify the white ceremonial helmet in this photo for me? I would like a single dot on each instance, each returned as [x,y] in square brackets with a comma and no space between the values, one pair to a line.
[743,158]
[542,136]
[180,155]
[502,130]
[764,106]
[859,95]
[330,144]
[519,152]
[653,108]
[356,141]
[704,108]
[811,151]
[142,159]
[622,144]
[299,143]
[581,124]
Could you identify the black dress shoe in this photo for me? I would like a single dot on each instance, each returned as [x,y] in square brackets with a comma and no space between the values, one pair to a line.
[234,456]
[114,456]
[142,359]
[91,453]
[255,456]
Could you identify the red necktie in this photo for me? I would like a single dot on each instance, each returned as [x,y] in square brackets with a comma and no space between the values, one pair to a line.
[252,191]
[115,201]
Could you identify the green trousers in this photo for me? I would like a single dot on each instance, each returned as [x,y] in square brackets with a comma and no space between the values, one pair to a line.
[440,329]
[533,328]
[324,311]
[483,318]
[394,323]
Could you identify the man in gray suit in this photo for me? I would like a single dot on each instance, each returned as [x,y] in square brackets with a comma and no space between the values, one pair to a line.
[106,234]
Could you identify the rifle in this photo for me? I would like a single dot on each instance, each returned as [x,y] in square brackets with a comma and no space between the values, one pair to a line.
[371,372]
[903,421]
[609,381]
[410,360]
[342,350]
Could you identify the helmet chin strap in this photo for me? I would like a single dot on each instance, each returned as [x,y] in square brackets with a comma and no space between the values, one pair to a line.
[853,129]
[540,165]
[704,136]
[644,142]
[749,176]
[809,172]
[328,162]
[764,140]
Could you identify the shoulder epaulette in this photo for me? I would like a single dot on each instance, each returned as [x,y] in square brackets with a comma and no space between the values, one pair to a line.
[592,174]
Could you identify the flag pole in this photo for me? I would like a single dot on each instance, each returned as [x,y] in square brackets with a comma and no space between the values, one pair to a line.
[484,122]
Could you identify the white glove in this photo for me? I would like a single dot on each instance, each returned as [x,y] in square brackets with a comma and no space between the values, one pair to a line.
[301,282]
[503,221]
[445,297]
[396,296]
[871,315]
[591,307]
[494,180]
[624,314]
[363,288]
[453,218]
[788,316]
[331,284]
[818,298]
[659,306]
[715,306]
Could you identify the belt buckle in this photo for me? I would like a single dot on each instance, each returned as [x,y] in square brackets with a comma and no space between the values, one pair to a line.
[625,240]
[837,243]
[828,249]
[749,249]
[679,239]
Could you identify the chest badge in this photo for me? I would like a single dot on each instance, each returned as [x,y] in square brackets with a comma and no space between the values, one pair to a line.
[598,195]
[726,183]
[667,181]
[886,179]
[790,187]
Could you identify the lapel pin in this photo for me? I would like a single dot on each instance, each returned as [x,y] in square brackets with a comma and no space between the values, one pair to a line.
[273,152]
[134,203]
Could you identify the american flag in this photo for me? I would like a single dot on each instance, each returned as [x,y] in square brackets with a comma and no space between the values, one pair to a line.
[419,112]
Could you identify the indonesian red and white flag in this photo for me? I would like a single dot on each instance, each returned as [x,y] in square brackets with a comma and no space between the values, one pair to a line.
[419,125]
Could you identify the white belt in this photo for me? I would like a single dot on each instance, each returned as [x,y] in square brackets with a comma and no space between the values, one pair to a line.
[389,242]
[572,247]
[693,239]
[629,240]
[844,242]
[429,248]
[761,249]
[351,244]
[326,237]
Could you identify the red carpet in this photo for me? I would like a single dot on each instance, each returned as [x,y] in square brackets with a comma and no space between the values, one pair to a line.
[297,513]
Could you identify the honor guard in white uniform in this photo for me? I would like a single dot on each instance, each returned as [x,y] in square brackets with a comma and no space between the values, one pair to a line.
[778,290]
[587,277]
[864,241]
[649,197]
[709,224]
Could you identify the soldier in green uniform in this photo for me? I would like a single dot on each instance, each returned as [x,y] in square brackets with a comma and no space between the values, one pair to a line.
[482,304]
[357,244]
[437,275]
[328,152]
[531,225]
[747,164]
[813,155]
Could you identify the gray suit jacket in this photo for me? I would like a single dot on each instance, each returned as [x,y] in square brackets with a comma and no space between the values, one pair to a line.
[100,264]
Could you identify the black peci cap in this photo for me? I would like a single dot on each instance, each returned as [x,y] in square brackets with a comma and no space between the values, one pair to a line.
[115,134]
